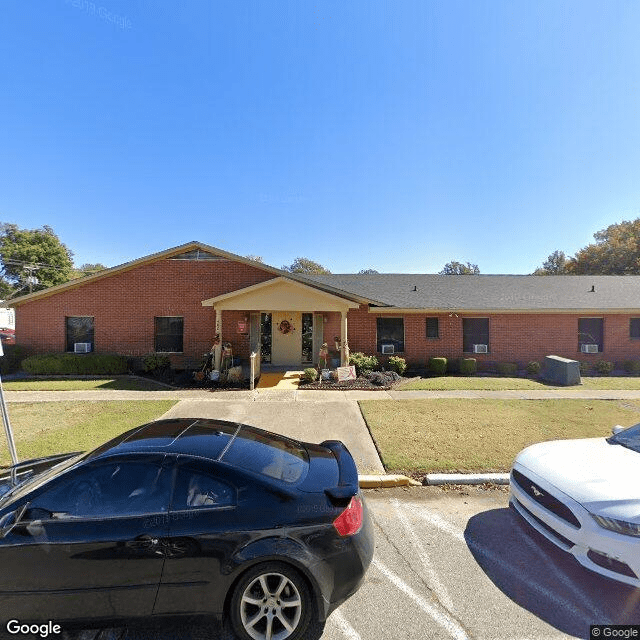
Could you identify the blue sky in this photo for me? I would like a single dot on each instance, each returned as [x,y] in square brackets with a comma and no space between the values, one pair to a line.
[391,135]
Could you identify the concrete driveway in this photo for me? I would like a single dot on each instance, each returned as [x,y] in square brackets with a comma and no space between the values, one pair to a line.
[282,412]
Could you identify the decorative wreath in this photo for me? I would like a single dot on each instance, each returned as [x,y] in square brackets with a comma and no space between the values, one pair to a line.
[285,327]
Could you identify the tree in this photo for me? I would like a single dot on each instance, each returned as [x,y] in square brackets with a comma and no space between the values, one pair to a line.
[304,265]
[33,259]
[455,268]
[616,251]
[557,264]
[367,271]
[87,269]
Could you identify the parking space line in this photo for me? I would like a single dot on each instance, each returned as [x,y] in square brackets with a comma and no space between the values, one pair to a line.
[343,624]
[457,533]
[443,619]
[434,581]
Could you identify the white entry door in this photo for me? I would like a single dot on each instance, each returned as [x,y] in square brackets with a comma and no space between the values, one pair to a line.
[286,341]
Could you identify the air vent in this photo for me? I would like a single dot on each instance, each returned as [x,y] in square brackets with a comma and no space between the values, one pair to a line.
[388,349]
[81,347]
[480,348]
[589,348]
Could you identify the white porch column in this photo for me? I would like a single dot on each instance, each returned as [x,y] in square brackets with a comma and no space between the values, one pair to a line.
[344,352]
[217,358]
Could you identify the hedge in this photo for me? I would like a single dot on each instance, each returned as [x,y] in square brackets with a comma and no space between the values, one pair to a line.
[467,366]
[438,366]
[75,364]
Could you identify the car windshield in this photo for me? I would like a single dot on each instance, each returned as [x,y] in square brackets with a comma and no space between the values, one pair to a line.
[29,483]
[629,438]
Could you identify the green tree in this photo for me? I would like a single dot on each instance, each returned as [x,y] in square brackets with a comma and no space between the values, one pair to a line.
[33,259]
[455,268]
[304,265]
[616,251]
[87,269]
[557,264]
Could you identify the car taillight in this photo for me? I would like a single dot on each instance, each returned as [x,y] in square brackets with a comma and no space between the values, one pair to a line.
[349,521]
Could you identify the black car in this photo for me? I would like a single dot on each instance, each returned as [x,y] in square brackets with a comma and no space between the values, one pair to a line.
[185,516]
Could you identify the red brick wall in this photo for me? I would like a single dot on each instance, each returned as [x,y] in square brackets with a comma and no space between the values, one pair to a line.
[124,306]
[512,337]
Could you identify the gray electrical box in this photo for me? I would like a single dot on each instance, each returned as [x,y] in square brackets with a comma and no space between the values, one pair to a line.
[561,371]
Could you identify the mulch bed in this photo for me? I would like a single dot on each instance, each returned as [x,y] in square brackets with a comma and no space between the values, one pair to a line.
[360,384]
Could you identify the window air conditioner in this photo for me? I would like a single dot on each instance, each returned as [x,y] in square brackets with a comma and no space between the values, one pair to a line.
[81,347]
[589,348]
[480,348]
[387,349]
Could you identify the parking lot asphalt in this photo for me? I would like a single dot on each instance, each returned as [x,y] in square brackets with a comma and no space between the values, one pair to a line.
[452,563]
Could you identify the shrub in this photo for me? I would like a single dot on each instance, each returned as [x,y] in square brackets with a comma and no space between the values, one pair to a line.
[437,366]
[533,368]
[507,368]
[467,366]
[364,364]
[585,368]
[309,375]
[154,362]
[632,367]
[398,364]
[603,367]
[75,364]
[14,354]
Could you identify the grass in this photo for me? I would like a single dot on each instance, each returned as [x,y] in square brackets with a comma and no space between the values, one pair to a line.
[482,383]
[83,384]
[454,435]
[45,428]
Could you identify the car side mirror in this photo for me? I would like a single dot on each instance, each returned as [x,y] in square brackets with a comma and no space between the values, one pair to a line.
[617,429]
[11,519]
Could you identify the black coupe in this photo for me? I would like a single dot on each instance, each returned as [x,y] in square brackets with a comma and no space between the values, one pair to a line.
[185,516]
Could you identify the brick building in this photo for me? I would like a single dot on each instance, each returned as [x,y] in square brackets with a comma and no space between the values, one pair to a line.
[184,300]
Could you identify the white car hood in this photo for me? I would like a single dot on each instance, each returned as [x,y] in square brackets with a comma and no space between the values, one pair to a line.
[604,478]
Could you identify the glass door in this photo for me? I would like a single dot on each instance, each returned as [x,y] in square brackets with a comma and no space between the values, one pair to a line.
[307,338]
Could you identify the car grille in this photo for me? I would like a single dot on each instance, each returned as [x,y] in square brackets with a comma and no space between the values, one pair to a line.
[567,543]
[544,498]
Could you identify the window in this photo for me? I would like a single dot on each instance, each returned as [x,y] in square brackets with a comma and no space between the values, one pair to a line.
[391,331]
[432,328]
[590,331]
[79,330]
[106,490]
[634,327]
[169,334]
[474,331]
[195,489]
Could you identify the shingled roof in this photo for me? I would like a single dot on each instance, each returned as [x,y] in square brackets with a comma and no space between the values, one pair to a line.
[491,292]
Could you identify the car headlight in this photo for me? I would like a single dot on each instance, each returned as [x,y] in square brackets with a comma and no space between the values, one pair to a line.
[618,526]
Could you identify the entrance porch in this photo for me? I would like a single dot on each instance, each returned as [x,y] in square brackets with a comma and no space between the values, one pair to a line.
[285,321]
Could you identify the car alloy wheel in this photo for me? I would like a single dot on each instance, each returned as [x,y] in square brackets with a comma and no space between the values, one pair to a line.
[271,602]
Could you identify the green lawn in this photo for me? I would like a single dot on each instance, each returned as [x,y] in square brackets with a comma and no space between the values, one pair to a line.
[83,384]
[45,428]
[453,435]
[481,383]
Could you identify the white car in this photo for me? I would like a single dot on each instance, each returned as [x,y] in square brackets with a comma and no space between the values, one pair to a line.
[584,496]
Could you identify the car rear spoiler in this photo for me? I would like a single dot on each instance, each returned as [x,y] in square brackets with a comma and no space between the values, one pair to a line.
[348,473]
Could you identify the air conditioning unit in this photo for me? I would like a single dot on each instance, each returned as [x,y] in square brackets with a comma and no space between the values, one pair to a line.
[589,348]
[81,347]
[480,348]
[388,349]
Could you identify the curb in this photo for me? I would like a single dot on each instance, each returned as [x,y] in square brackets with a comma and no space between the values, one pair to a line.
[386,481]
[465,478]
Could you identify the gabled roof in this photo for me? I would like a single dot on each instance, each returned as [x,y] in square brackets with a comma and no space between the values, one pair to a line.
[189,250]
[492,292]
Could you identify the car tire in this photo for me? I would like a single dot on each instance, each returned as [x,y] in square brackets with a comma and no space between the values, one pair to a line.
[272,601]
